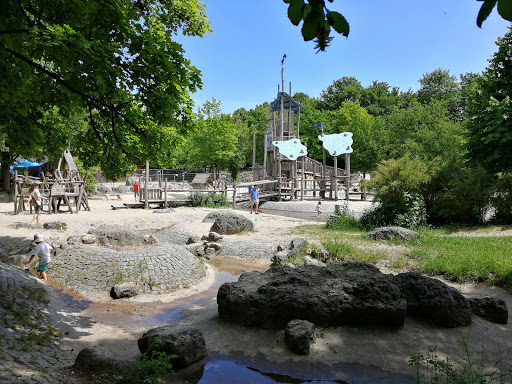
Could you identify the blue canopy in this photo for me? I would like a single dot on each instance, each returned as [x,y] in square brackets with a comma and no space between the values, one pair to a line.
[25,164]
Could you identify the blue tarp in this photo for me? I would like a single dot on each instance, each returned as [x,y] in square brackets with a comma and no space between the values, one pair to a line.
[25,164]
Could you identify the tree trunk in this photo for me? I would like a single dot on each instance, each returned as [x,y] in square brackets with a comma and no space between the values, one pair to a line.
[6,160]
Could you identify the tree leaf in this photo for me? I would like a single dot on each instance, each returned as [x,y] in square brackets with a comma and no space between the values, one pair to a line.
[505,9]
[485,10]
[287,1]
[296,11]
[339,23]
[312,25]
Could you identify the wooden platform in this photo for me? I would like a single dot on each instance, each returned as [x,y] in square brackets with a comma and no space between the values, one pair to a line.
[151,203]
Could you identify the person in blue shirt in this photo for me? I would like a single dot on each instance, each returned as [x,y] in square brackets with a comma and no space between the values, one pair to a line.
[255,201]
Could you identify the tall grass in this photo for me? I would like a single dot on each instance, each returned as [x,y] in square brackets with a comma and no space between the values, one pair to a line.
[466,259]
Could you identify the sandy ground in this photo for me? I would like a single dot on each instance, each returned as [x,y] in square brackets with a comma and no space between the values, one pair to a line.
[340,353]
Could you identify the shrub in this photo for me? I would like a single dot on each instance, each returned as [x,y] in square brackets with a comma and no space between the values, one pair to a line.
[342,219]
[198,199]
[502,200]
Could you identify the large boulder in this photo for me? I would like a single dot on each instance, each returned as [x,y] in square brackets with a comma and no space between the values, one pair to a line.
[348,293]
[389,233]
[299,335]
[96,360]
[123,290]
[230,223]
[434,300]
[489,308]
[186,343]
[117,236]
[59,225]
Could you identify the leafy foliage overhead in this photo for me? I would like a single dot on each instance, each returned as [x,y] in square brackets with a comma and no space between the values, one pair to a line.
[118,60]
[318,19]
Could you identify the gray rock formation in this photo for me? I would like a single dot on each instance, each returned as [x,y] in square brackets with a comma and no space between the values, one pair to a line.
[321,253]
[122,290]
[96,360]
[356,293]
[88,239]
[186,343]
[175,235]
[212,216]
[230,223]
[59,225]
[489,308]
[389,233]
[432,299]
[299,335]
[117,236]
[308,260]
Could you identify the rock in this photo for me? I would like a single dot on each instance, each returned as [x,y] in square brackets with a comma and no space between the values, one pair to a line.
[117,235]
[193,248]
[320,253]
[280,258]
[298,244]
[231,223]
[432,299]
[209,251]
[3,255]
[174,235]
[348,293]
[87,239]
[96,360]
[215,246]
[186,343]
[299,335]
[192,239]
[389,233]
[56,225]
[213,236]
[308,260]
[490,308]
[122,189]
[150,239]
[123,290]
[12,259]
[5,197]
[212,216]
[130,180]
[74,240]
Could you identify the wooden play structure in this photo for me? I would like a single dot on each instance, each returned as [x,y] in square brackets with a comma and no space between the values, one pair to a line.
[66,185]
[298,176]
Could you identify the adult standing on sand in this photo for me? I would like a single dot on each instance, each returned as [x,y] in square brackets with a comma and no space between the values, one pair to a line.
[37,202]
[255,199]
[136,190]
[43,251]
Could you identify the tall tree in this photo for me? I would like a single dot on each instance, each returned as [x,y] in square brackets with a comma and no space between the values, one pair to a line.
[489,122]
[440,86]
[344,89]
[214,142]
[368,135]
[118,60]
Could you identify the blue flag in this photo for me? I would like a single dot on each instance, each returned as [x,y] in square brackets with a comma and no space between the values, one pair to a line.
[318,126]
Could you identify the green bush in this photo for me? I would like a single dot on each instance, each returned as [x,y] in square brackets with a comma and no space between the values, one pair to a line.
[342,219]
[502,200]
[199,199]
[410,215]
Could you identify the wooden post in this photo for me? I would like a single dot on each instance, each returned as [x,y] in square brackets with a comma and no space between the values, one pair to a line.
[302,181]
[254,170]
[234,192]
[335,178]
[165,194]
[146,188]
[347,175]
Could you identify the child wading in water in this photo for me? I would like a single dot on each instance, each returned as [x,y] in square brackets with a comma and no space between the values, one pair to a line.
[318,210]
[43,251]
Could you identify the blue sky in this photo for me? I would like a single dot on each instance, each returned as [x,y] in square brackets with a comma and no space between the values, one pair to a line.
[395,41]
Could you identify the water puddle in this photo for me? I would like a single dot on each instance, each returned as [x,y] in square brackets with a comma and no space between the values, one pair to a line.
[77,304]
[218,370]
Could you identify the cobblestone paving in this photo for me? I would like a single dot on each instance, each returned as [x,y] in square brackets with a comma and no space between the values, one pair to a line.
[30,348]
[92,270]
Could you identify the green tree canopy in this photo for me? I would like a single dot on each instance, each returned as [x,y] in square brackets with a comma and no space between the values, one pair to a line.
[117,60]
[489,122]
